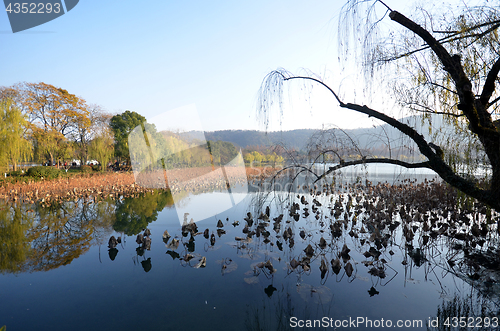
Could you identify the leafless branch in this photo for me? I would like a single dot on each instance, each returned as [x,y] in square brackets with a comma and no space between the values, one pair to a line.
[367,161]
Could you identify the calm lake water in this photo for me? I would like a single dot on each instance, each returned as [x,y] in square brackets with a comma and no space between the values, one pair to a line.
[58,272]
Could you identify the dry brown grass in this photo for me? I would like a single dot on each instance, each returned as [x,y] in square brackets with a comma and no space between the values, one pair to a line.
[87,186]
[97,185]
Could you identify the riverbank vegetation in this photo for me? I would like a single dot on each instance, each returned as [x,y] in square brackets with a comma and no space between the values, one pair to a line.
[94,185]
[44,124]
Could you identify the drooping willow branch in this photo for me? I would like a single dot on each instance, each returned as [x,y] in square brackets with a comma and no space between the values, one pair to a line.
[433,153]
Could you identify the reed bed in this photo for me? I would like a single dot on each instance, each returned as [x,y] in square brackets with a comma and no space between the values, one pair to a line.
[97,186]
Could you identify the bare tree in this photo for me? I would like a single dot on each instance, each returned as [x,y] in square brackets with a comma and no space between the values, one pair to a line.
[453,72]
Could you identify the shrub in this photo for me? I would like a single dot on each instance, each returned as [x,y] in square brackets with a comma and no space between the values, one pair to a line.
[96,167]
[45,172]
[85,168]
[15,173]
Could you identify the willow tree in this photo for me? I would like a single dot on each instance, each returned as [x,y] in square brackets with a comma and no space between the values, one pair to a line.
[102,149]
[443,63]
[14,145]
[50,145]
[94,140]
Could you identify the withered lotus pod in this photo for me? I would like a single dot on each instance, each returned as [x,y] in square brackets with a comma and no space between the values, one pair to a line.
[309,250]
[348,269]
[336,266]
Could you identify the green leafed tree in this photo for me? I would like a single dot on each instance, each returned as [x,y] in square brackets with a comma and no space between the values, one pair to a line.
[223,152]
[14,145]
[51,145]
[249,158]
[122,125]
[134,214]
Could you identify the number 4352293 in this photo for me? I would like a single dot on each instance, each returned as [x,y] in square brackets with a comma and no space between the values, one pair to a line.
[471,322]
[33,8]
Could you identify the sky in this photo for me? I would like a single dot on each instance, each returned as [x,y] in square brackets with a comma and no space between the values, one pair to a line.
[160,58]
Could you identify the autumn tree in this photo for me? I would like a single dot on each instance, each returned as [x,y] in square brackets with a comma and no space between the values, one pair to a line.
[446,65]
[53,108]
[56,116]
[14,145]
[249,158]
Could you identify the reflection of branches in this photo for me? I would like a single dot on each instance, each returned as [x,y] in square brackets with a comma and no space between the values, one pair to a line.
[471,308]
[58,237]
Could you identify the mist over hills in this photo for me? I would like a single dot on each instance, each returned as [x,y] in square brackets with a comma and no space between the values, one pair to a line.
[294,139]
[376,137]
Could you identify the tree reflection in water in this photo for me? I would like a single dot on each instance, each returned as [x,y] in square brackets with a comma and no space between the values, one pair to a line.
[15,221]
[288,246]
[43,237]
[40,238]
[133,214]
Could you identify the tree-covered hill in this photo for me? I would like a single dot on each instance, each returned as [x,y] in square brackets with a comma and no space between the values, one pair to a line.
[377,137]
[294,139]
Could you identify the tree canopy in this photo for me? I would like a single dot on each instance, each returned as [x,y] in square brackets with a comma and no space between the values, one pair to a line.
[446,65]
[122,125]
[59,124]
[13,137]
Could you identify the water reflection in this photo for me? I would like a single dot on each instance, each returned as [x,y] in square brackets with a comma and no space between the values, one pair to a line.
[387,230]
[133,214]
[15,221]
[43,237]
[470,312]
[397,252]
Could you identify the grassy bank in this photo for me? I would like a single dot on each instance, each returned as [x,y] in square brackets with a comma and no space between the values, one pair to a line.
[73,185]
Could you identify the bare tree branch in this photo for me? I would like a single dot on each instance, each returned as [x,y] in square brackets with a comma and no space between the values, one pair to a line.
[453,66]
[489,85]
[431,151]
[446,39]
[366,161]
[493,102]
[317,81]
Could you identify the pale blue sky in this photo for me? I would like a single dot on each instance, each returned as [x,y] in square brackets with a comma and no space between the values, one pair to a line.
[155,56]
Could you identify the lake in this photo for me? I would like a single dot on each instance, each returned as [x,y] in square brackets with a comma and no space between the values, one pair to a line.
[277,260]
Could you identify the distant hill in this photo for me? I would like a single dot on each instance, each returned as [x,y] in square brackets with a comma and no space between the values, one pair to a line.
[294,139]
[376,137]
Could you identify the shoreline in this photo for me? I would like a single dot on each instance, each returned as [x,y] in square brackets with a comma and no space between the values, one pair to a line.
[103,185]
